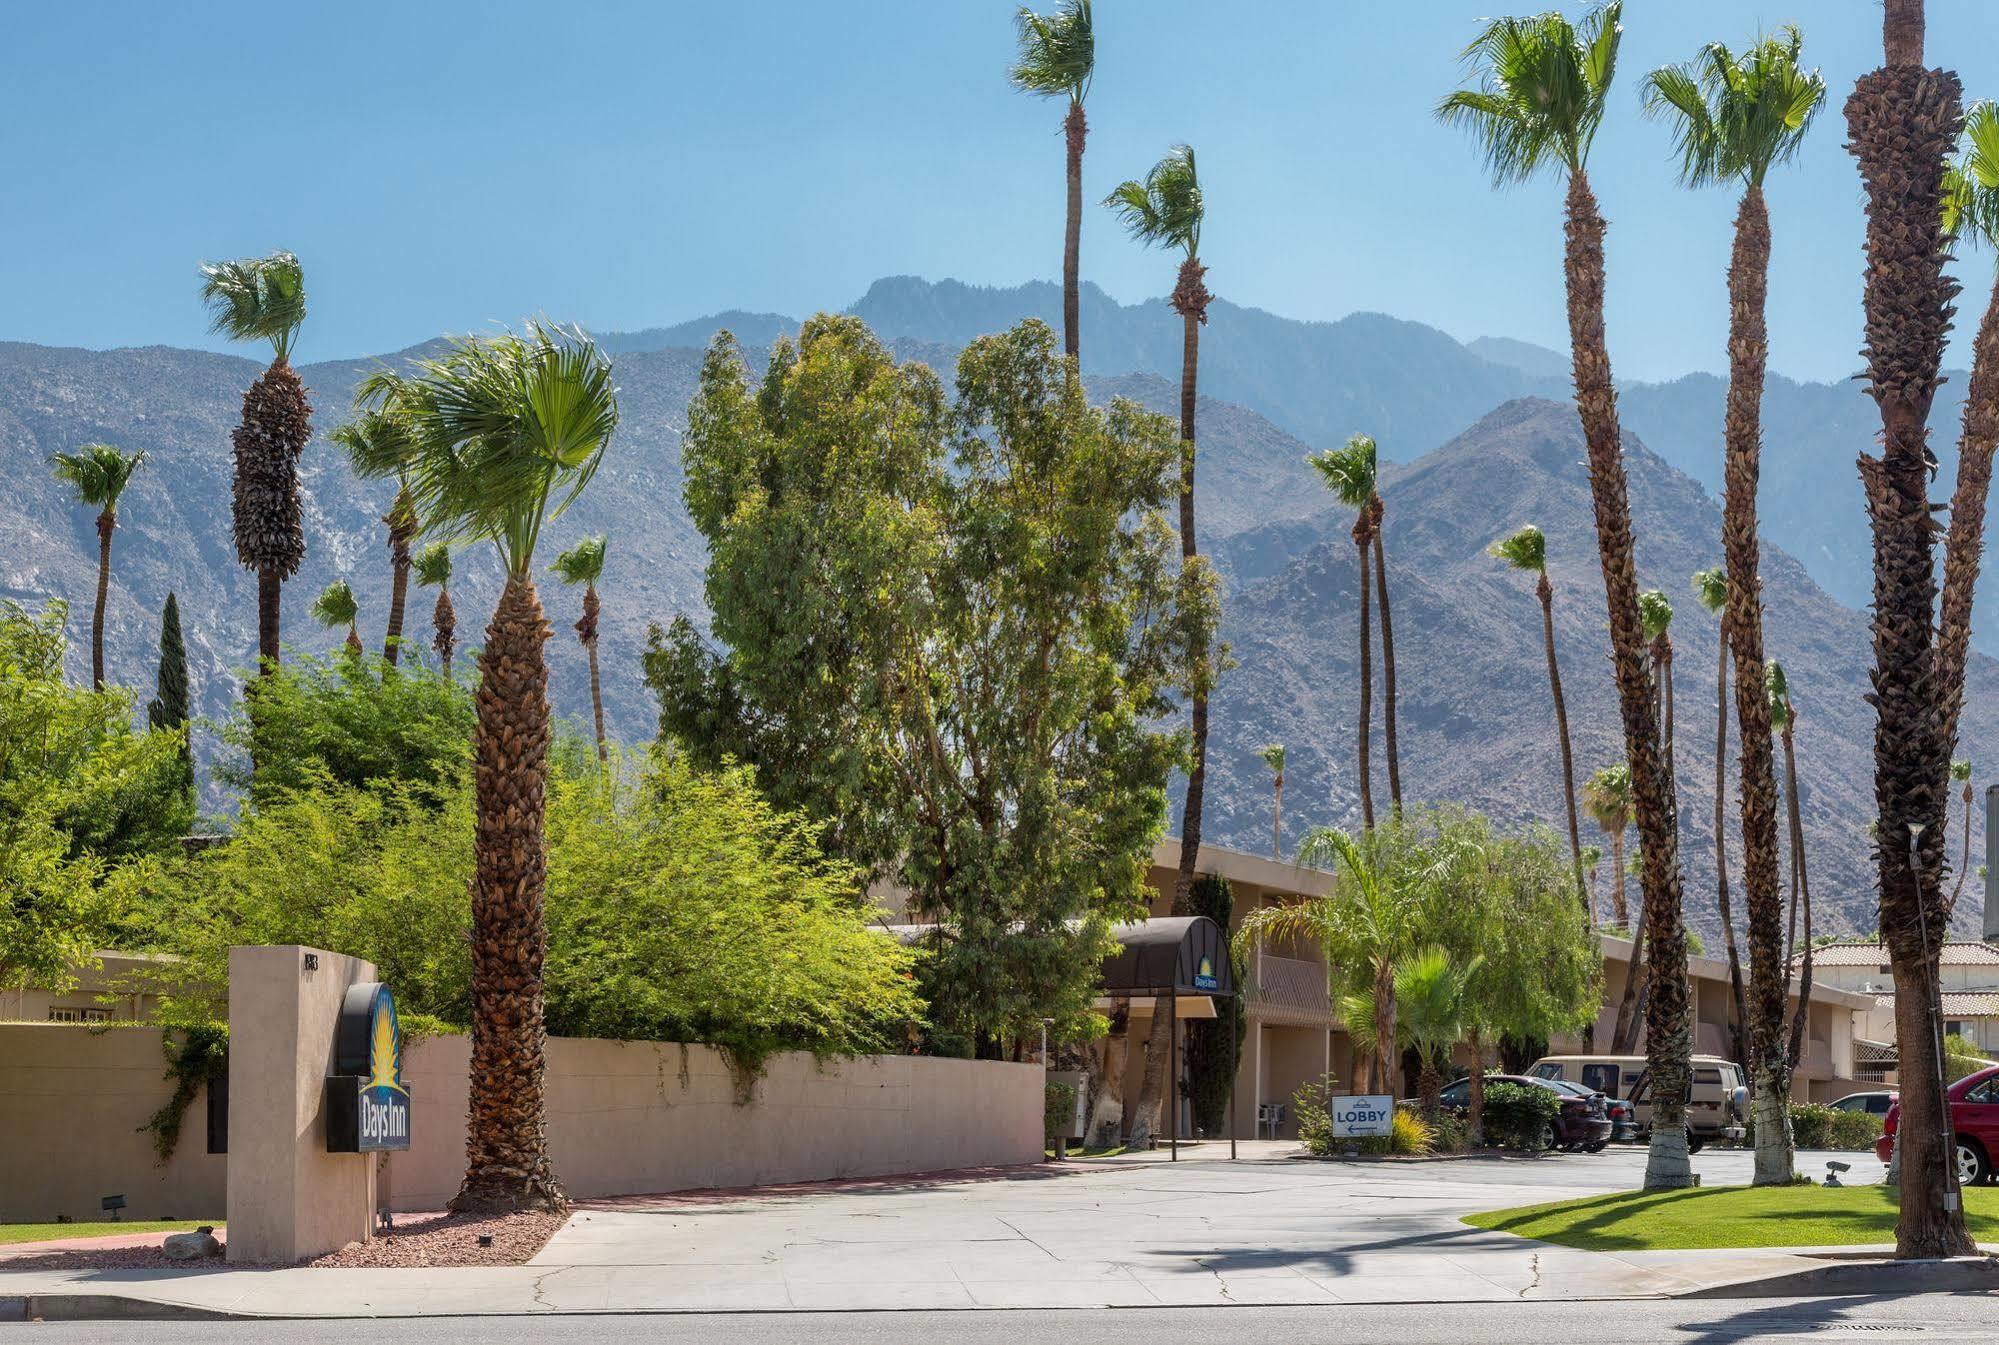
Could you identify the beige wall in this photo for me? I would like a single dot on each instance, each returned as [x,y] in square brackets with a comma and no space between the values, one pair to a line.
[71,1104]
[111,987]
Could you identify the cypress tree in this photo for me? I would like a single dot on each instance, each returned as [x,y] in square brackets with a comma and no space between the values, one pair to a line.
[169,707]
[1212,1047]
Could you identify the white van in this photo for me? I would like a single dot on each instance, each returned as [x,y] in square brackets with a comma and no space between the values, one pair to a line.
[1716,1106]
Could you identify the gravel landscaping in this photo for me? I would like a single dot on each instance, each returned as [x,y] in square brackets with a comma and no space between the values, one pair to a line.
[418,1240]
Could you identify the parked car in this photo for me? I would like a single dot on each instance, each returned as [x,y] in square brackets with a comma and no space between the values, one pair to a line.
[1874,1104]
[1974,1115]
[1583,1124]
[1621,1114]
[1716,1107]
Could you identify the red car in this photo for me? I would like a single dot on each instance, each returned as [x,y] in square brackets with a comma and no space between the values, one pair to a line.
[1974,1114]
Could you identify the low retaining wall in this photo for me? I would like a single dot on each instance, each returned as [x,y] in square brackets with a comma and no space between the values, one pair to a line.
[624,1118]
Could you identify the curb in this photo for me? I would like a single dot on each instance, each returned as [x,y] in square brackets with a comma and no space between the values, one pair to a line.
[1957,1274]
[106,1308]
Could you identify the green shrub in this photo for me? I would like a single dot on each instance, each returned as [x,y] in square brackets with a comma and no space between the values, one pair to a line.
[1854,1130]
[1058,1110]
[1409,1134]
[1811,1125]
[1453,1133]
[1517,1115]
[1315,1122]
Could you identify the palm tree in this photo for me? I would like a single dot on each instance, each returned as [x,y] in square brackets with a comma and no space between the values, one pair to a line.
[98,474]
[401,520]
[1656,615]
[1527,550]
[1784,718]
[1902,120]
[504,434]
[1349,473]
[1165,210]
[1960,771]
[433,570]
[1272,755]
[263,299]
[584,564]
[1543,83]
[1711,587]
[1433,1007]
[1057,54]
[1592,858]
[336,607]
[1607,798]
[1734,116]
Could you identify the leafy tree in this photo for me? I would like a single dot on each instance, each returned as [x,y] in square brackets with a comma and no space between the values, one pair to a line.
[1527,549]
[169,710]
[433,570]
[1543,84]
[1433,995]
[1735,116]
[1056,57]
[80,792]
[1352,475]
[99,473]
[1272,755]
[1166,210]
[336,607]
[947,629]
[1214,1045]
[584,564]
[263,299]
[368,459]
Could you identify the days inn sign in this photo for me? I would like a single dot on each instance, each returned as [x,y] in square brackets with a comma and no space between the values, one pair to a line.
[367,1102]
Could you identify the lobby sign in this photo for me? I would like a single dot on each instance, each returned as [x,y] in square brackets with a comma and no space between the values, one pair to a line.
[367,1102]
[1370,1114]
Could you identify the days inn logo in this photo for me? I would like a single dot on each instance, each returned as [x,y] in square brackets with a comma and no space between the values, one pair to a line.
[1204,975]
[368,1102]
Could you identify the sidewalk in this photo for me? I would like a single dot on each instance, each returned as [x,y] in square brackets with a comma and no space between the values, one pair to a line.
[1097,1233]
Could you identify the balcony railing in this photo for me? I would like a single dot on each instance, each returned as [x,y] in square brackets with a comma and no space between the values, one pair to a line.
[1290,989]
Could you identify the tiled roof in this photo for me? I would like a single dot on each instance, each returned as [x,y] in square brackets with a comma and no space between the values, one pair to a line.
[1961,953]
[1960,1003]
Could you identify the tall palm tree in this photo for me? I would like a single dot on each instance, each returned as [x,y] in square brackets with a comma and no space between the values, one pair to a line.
[98,475]
[584,564]
[1711,587]
[1960,771]
[1607,798]
[336,607]
[263,299]
[1272,755]
[1165,210]
[1592,859]
[1655,613]
[1542,87]
[1734,116]
[1527,550]
[1056,56]
[1434,1012]
[1784,717]
[433,570]
[401,520]
[1902,121]
[505,433]
[1349,472]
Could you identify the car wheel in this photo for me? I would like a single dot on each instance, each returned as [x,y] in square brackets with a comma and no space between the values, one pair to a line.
[1694,1143]
[1596,1148]
[1547,1135]
[1972,1167]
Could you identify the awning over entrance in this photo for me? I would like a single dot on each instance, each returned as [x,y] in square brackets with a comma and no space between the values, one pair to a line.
[1170,955]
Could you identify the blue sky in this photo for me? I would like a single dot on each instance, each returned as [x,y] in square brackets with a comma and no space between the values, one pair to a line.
[443,165]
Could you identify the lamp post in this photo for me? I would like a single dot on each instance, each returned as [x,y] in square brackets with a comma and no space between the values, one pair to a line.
[1930,1004]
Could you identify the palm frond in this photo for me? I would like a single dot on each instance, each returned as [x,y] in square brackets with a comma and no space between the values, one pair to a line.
[1165,209]
[1960,770]
[1607,796]
[1541,87]
[1779,688]
[1526,549]
[1736,115]
[1430,997]
[582,563]
[378,443]
[98,473]
[1272,755]
[1350,471]
[1056,52]
[1711,587]
[256,299]
[336,605]
[433,565]
[1971,187]
[1655,612]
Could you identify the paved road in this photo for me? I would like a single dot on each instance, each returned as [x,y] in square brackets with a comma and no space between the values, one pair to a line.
[1934,1317]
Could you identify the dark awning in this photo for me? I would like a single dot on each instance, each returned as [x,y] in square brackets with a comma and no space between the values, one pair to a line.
[1167,955]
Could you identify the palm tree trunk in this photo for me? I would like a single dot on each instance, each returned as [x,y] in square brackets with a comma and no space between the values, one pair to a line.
[1383,1065]
[1365,717]
[1277,819]
[107,521]
[1966,538]
[1964,864]
[1624,1030]
[1429,1085]
[506,1147]
[354,649]
[1387,665]
[270,594]
[1739,1030]
[1074,128]
[444,629]
[1662,655]
[586,630]
[1769,975]
[1668,1036]
[1902,123]
[401,521]
[1620,912]
[1801,883]
[1546,592]
[1475,1093]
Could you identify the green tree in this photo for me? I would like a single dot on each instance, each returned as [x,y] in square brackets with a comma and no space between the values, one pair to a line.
[98,474]
[1272,755]
[1527,549]
[947,629]
[263,299]
[1711,587]
[504,433]
[1055,58]
[1607,797]
[1214,1045]
[1902,122]
[335,607]
[1735,116]
[170,709]
[1542,88]
[584,564]
[401,520]
[433,570]
[1351,473]
[1434,1001]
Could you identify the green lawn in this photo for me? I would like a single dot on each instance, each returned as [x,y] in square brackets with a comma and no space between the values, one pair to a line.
[50,1232]
[1726,1216]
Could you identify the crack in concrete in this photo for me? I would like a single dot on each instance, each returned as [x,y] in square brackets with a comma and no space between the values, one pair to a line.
[541,1284]
[1534,1275]
[1029,1241]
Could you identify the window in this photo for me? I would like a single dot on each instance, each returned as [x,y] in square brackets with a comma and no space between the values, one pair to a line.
[1985,1092]
[1953,1029]
[58,1015]
[1707,1077]
[1601,1079]
[1548,1071]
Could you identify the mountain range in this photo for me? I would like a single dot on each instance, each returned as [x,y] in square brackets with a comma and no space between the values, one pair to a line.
[1481,434]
